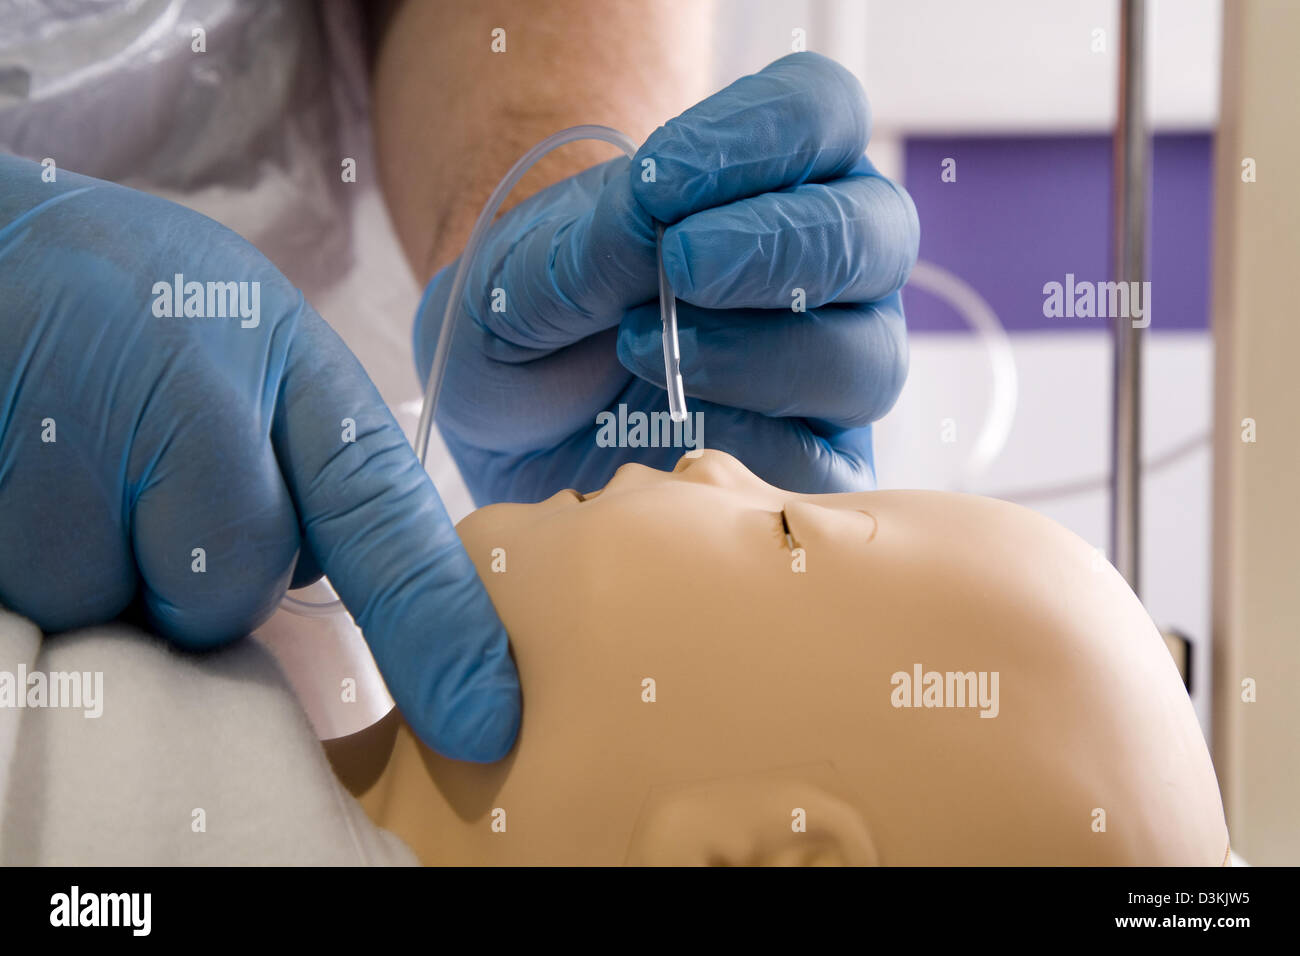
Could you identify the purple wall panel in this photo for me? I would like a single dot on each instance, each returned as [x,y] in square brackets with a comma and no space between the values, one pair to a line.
[1025,211]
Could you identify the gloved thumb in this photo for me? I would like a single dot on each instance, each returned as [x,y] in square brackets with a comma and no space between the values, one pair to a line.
[558,268]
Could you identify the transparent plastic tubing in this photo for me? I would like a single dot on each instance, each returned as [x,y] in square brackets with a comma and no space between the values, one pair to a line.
[477,236]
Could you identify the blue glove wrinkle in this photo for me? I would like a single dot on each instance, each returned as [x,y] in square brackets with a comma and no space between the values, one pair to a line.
[802,118]
[845,364]
[544,255]
[852,240]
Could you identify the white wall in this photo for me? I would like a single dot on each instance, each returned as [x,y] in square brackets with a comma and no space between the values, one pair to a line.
[992,65]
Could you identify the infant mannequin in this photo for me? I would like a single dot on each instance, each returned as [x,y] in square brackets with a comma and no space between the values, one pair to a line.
[718,671]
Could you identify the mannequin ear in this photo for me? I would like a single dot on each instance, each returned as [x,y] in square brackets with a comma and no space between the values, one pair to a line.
[800,817]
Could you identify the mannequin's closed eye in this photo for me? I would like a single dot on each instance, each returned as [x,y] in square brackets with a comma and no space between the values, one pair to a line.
[786,532]
[801,522]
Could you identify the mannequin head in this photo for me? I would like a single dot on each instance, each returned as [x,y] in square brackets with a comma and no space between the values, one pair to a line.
[715,670]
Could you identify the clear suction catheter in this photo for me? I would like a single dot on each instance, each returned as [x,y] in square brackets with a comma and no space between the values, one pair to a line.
[477,236]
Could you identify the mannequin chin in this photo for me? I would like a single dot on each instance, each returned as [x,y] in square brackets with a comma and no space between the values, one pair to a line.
[718,671]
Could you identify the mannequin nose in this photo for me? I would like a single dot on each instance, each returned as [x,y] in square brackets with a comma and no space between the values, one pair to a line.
[714,467]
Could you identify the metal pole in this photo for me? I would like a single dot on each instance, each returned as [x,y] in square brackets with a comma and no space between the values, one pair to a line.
[1132,148]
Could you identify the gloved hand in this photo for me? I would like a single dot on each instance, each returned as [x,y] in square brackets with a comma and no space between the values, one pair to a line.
[147,451]
[767,192]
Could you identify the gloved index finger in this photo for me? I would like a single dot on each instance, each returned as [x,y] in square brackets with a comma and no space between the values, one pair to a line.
[801,119]
[380,532]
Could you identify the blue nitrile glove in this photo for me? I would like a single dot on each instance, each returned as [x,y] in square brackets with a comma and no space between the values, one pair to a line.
[185,458]
[768,192]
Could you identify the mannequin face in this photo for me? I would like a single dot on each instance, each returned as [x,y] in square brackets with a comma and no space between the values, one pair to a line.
[715,670]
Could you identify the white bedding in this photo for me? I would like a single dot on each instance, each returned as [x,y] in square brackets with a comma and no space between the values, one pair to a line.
[219,733]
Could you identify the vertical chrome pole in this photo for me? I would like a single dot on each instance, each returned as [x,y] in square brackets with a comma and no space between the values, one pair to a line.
[1131,192]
